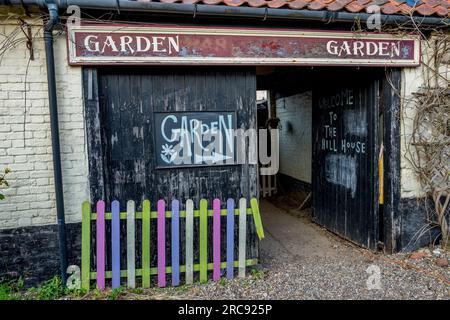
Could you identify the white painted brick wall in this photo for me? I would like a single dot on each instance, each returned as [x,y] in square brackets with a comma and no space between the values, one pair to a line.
[25,139]
[412,80]
[295,146]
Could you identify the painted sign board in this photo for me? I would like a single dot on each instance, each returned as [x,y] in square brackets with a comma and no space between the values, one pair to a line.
[175,45]
[194,138]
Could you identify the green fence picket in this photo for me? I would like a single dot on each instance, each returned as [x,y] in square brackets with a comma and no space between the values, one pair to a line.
[86,245]
[146,271]
[257,218]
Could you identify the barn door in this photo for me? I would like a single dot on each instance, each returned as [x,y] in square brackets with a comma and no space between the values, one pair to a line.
[345,158]
[130,102]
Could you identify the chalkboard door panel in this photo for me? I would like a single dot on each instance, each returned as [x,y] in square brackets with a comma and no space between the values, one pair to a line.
[345,153]
[121,104]
[130,99]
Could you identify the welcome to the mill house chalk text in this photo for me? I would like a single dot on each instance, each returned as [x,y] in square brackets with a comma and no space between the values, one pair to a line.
[97,44]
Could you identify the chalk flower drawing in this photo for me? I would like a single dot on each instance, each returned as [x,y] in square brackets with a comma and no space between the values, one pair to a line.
[168,154]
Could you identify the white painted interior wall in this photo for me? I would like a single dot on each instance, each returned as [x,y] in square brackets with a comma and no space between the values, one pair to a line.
[295,113]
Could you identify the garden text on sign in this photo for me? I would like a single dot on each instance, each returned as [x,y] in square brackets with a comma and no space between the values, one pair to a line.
[155,44]
[195,138]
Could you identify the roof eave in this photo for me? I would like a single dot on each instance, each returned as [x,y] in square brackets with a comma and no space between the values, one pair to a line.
[263,13]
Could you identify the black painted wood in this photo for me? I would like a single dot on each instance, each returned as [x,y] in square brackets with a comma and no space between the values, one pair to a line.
[345,184]
[391,86]
[122,144]
[94,133]
[128,101]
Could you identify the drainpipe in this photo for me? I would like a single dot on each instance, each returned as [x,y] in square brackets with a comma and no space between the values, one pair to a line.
[53,104]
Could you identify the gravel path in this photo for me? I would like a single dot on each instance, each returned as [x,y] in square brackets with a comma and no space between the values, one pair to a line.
[300,260]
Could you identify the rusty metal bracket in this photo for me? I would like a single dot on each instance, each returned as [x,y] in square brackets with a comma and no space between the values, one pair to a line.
[26,29]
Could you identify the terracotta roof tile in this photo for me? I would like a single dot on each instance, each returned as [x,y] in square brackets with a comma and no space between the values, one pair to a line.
[212,1]
[438,8]
[276,3]
[298,4]
[256,3]
[426,10]
[390,8]
[432,3]
[354,6]
[441,11]
[234,3]
[317,5]
[406,9]
[338,5]
[363,2]
[377,2]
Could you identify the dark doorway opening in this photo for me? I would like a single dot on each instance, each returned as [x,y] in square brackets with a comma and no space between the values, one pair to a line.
[330,137]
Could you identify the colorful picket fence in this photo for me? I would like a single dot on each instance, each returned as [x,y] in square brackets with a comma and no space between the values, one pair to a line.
[176,267]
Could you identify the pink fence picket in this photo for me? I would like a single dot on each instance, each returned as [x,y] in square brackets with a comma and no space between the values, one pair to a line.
[161,243]
[178,238]
[101,245]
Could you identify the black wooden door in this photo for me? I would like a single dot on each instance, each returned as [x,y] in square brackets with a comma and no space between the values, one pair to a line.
[121,104]
[128,101]
[345,154]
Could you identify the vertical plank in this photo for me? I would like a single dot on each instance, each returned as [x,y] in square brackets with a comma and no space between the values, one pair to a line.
[115,244]
[274,187]
[189,241]
[131,256]
[203,240]
[391,104]
[257,218]
[161,243]
[101,245]
[216,239]
[86,246]
[94,135]
[230,238]
[381,175]
[146,244]
[264,187]
[242,235]
[175,242]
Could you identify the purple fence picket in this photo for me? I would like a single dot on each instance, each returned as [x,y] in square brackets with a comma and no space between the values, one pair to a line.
[175,242]
[161,243]
[209,259]
[216,239]
[115,241]
[230,238]
[101,245]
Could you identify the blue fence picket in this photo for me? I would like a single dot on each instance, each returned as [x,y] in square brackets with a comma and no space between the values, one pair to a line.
[230,238]
[206,262]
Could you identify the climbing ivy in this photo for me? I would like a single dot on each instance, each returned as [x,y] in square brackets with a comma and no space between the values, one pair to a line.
[3,182]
